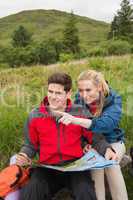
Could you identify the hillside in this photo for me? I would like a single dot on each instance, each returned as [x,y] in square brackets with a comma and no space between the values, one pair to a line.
[50,23]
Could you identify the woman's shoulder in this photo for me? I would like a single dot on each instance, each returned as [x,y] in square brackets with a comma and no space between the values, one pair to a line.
[113,98]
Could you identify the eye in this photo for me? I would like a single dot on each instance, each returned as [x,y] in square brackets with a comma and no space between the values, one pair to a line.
[58,93]
[88,90]
[80,90]
[50,91]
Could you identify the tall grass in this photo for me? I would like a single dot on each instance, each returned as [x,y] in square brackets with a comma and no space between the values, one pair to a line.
[22,89]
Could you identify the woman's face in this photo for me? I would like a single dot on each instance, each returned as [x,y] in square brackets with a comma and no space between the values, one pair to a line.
[88,91]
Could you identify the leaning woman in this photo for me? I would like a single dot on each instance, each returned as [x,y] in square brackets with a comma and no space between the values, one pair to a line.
[106,106]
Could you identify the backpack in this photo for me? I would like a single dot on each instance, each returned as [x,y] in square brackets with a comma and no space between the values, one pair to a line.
[12,178]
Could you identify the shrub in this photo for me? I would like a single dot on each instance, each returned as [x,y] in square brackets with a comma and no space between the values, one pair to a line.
[97,51]
[46,52]
[132,49]
[98,63]
[64,57]
[119,47]
[16,57]
[49,51]
[83,53]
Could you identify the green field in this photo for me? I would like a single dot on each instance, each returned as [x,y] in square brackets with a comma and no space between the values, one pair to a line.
[23,88]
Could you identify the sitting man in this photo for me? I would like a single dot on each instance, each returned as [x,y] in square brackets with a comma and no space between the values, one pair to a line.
[57,144]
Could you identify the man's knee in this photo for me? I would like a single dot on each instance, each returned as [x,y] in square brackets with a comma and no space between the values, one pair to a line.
[37,174]
[83,187]
[36,188]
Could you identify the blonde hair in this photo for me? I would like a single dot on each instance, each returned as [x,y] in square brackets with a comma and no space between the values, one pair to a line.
[97,79]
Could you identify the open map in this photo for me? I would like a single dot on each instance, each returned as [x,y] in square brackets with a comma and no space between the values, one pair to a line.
[91,160]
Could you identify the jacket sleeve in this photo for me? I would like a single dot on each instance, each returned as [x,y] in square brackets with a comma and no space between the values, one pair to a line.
[97,141]
[28,148]
[100,144]
[109,118]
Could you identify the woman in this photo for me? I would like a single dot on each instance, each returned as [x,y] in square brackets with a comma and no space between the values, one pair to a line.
[105,105]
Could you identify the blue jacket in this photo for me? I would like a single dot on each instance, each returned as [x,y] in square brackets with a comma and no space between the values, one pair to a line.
[108,122]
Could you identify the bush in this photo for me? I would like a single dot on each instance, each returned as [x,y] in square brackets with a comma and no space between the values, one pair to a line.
[82,54]
[49,51]
[10,56]
[64,57]
[16,57]
[98,63]
[97,51]
[119,47]
[4,66]
[46,52]
[132,49]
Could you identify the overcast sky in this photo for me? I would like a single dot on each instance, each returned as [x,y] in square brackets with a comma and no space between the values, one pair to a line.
[97,9]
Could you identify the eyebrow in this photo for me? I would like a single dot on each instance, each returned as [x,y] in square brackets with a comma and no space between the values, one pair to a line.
[84,89]
[58,92]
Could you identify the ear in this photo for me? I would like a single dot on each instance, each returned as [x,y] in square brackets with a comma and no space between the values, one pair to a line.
[69,94]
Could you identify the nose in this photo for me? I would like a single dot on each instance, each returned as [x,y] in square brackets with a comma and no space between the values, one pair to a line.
[53,95]
[84,94]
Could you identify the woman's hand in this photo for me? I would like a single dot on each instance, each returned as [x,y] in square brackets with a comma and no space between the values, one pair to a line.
[110,154]
[22,159]
[67,119]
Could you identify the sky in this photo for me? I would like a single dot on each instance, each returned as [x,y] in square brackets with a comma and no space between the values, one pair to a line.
[102,10]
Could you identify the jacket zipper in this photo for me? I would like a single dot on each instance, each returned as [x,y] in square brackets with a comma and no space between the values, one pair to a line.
[58,141]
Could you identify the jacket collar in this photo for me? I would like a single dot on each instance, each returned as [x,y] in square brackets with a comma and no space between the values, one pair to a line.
[44,106]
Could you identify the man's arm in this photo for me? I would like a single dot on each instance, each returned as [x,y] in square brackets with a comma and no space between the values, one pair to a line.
[27,151]
[28,147]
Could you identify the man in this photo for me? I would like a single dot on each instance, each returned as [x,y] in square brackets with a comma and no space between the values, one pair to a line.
[57,144]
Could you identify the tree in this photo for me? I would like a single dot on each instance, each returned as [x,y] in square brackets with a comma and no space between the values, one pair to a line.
[114,30]
[21,37]
[122,25]
[47,52]
[71,38]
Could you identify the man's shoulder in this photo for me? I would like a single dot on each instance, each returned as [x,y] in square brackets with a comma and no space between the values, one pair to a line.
[35,113]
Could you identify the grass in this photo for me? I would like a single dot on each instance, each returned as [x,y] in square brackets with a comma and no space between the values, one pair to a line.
[23,88]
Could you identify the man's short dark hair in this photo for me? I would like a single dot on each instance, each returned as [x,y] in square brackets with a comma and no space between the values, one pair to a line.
[62,79]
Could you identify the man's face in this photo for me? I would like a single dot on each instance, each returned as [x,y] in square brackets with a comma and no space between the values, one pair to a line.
[57,96]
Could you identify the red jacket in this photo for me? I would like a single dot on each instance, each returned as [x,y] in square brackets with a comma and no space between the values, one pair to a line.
[54,141]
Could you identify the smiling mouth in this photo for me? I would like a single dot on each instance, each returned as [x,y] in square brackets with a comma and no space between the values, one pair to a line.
[54,104]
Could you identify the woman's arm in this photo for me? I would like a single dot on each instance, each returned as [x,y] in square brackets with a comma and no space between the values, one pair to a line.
[67,118]
[109,118]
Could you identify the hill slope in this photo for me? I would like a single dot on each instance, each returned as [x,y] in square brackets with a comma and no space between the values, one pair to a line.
[50,23]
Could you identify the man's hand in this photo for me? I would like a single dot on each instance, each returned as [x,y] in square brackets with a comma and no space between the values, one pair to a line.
[110,154]
[86,148]
[22,159]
